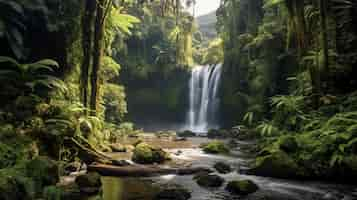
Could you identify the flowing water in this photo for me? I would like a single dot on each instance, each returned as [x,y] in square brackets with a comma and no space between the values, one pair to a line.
[270,188]
[204,98]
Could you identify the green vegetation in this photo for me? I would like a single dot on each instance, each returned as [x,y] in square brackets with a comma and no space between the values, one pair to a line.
[215,147]
[74,74]
[282,60]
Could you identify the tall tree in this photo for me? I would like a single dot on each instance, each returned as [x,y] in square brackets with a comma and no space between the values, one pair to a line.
[324,42]
[103,8]
[87,45]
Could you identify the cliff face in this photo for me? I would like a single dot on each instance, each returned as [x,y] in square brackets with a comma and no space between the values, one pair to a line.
[207,25]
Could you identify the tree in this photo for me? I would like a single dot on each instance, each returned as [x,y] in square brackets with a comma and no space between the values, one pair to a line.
[87,45]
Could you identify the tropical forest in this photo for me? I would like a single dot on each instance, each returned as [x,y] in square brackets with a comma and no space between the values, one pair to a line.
[178,99]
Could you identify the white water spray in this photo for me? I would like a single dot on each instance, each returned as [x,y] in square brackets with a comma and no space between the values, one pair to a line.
[204,98]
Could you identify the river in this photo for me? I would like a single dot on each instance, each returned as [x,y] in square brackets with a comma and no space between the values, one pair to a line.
[115,188]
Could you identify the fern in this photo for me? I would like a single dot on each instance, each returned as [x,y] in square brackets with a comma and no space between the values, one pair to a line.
[32,74]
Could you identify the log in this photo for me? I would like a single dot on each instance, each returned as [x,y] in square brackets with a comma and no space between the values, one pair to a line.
[143,171]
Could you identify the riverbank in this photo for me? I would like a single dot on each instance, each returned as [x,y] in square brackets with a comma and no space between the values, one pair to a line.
[239,159]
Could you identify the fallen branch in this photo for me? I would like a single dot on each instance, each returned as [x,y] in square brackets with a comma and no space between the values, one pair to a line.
[142,171]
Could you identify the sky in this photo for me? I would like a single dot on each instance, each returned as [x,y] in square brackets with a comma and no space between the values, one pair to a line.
[206,6]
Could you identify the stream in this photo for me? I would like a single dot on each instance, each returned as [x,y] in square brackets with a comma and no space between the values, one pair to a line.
[270,188]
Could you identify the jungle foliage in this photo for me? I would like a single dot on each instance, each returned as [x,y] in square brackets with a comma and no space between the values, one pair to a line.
[289,64]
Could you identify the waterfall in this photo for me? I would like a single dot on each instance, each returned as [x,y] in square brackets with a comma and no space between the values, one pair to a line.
[203,98]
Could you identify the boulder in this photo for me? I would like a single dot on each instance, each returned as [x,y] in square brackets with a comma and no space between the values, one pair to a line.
[215,147]
[173,193]
[222,167]
[209,180]
[119,148]
[242,187]
[221,133]
[186,133]
[146,154]
[43,170]
[278,164]
[89,183]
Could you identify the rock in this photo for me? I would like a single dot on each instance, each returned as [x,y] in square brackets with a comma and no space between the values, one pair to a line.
[146,154]
[89,183]
[129,148]
[218,133]
[278,165]
[91,179]
[215,147]
[179,152]
[232,143]
[243,187]
[208,180]
[180,139]
[173,193]
[43,170]
[222,167]
[186,133]
[119,148]
[288,144]
[138,141]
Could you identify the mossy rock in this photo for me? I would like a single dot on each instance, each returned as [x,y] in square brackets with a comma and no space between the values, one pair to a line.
[89,183]
[186,133]
[215,147]
[222,167]
[209,180]
[278,164]
[118,147]
[173,193]
[91,179]
[243,187]
[218,133]
[146,154]
[43,170]
[288,144]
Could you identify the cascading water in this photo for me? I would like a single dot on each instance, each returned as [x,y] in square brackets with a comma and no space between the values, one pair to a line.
[204,98]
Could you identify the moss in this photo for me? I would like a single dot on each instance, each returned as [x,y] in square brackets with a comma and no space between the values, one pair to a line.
[243,187]
[146,154]
[278,164]
[89,180]
[208,180]
[216,147]
[222,167]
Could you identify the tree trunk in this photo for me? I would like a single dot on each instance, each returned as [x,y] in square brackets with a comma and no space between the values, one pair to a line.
[97,56]
[87,44]
[324,43]
[143,171]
